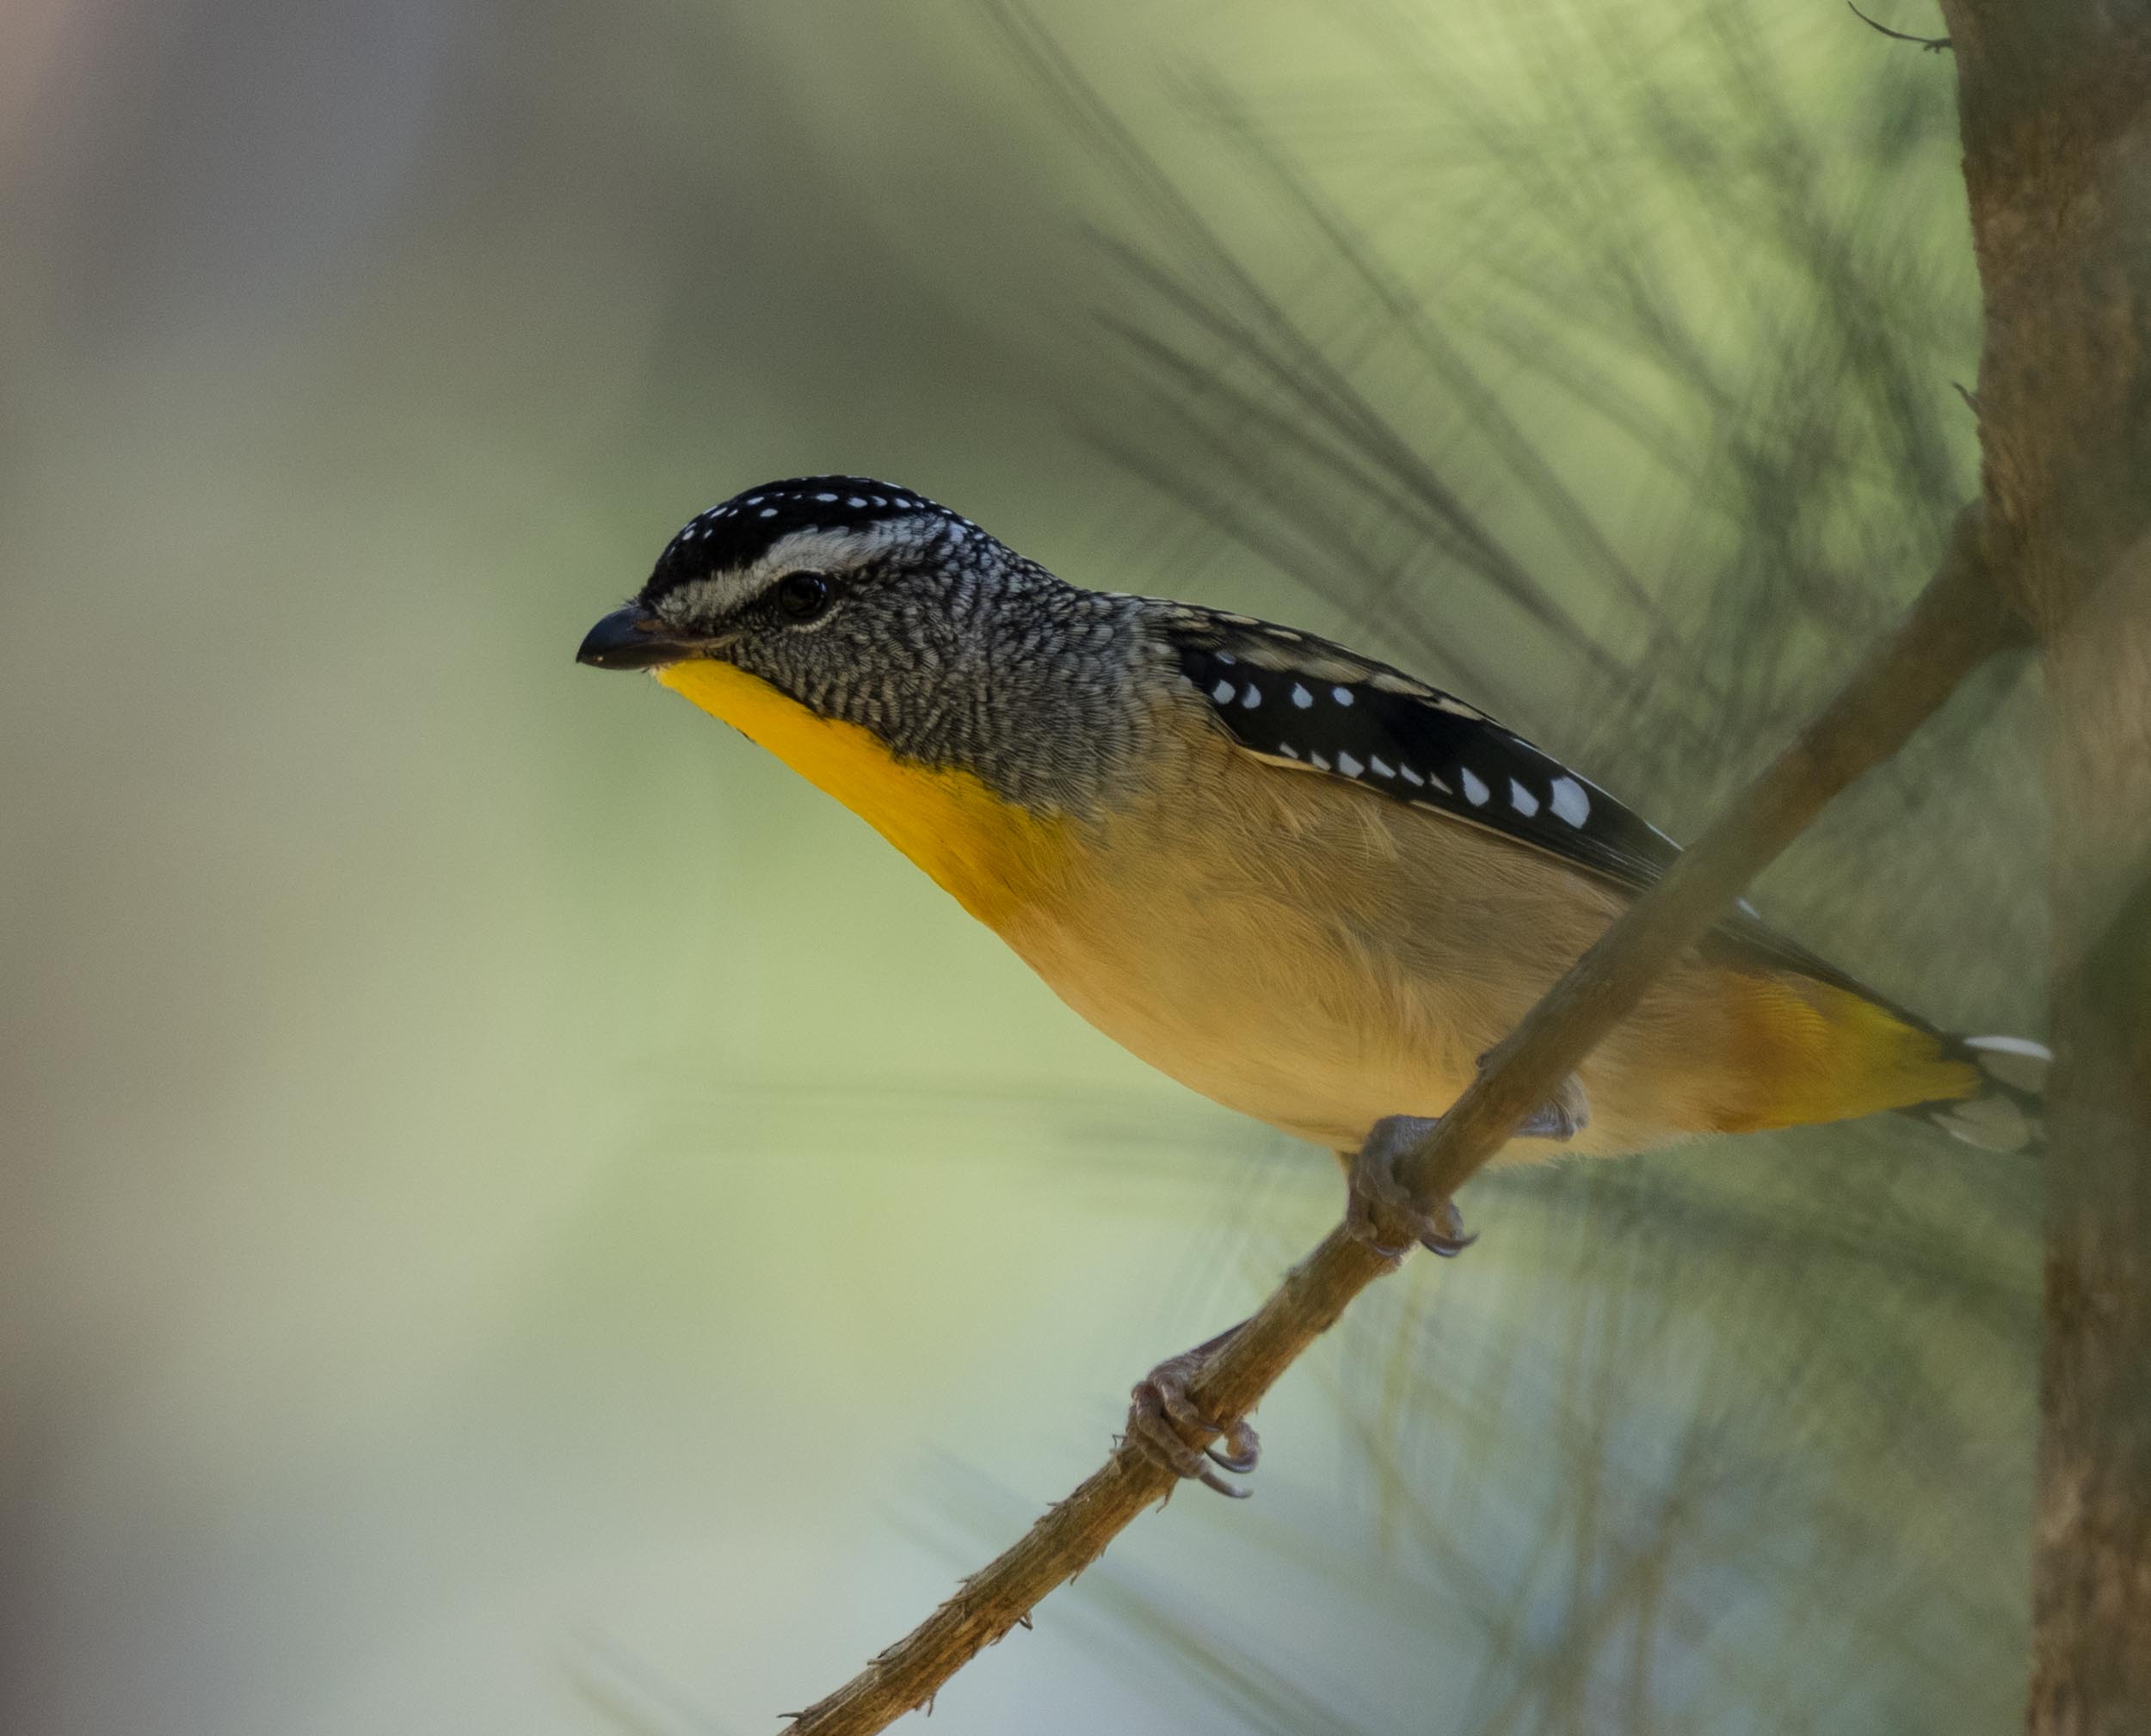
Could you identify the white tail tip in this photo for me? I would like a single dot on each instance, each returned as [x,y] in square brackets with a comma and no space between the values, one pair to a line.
[2015,1061]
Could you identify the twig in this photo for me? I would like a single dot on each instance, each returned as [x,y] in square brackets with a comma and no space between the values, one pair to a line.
[1933,45]
[1956,623]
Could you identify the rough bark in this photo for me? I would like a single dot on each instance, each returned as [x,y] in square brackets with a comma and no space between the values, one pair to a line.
[2056,104]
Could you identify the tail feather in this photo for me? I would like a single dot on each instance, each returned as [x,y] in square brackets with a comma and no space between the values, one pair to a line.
[2008,1112]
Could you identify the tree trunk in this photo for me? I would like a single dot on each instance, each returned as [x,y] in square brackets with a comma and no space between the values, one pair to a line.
[2057,115]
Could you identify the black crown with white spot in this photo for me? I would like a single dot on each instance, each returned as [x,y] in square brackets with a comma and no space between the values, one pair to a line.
[747,526]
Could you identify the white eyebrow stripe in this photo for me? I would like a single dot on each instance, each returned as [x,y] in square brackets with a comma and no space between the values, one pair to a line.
[812,550]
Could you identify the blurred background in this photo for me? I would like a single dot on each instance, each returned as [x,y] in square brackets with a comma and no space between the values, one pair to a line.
[517,1214]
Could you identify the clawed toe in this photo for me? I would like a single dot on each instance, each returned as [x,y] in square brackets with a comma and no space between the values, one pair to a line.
[1391,1227]
[1563,1119]
[1444,1233]
[1379,1211]
[1163,1416]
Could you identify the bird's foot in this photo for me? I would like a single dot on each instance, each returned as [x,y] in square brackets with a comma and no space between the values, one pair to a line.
[1169,1428]
[1381,1212]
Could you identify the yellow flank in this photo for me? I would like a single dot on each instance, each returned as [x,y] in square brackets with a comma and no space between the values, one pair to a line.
[1813,1052]
[990,855]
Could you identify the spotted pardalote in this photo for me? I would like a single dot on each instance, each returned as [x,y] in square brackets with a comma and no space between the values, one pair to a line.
[1293,878]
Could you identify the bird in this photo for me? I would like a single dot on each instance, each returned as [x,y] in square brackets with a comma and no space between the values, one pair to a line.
[1295,878]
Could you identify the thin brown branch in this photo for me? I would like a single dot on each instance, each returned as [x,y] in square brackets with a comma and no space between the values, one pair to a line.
[1957,622]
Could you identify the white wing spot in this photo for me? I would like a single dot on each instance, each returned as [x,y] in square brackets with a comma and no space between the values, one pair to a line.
[1350,766]
[1252,697]
[756,499]
[825,497]
[766,513]
[1475,792]
[1522,799]
[854,500]
[1288,750]
[1301,697]
[1318,762]
[1569,801]
[1341,695]
[1227,658]
[1222,692]
[1381,768]
[1413,778]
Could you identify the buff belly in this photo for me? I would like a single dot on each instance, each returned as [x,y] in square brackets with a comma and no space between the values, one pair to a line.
[1318,958]
[1322,965]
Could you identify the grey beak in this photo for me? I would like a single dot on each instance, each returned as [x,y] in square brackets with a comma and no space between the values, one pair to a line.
[632,638]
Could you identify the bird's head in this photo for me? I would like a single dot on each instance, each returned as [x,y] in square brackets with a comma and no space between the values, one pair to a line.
[869,604]
[805,583]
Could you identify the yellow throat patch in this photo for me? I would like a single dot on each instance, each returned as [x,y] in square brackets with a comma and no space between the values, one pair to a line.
[992,856]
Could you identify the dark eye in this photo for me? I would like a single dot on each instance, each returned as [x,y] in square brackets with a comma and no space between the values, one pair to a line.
[802,596]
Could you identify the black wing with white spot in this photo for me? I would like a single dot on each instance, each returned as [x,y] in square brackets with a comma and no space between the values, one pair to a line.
[1304,702]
